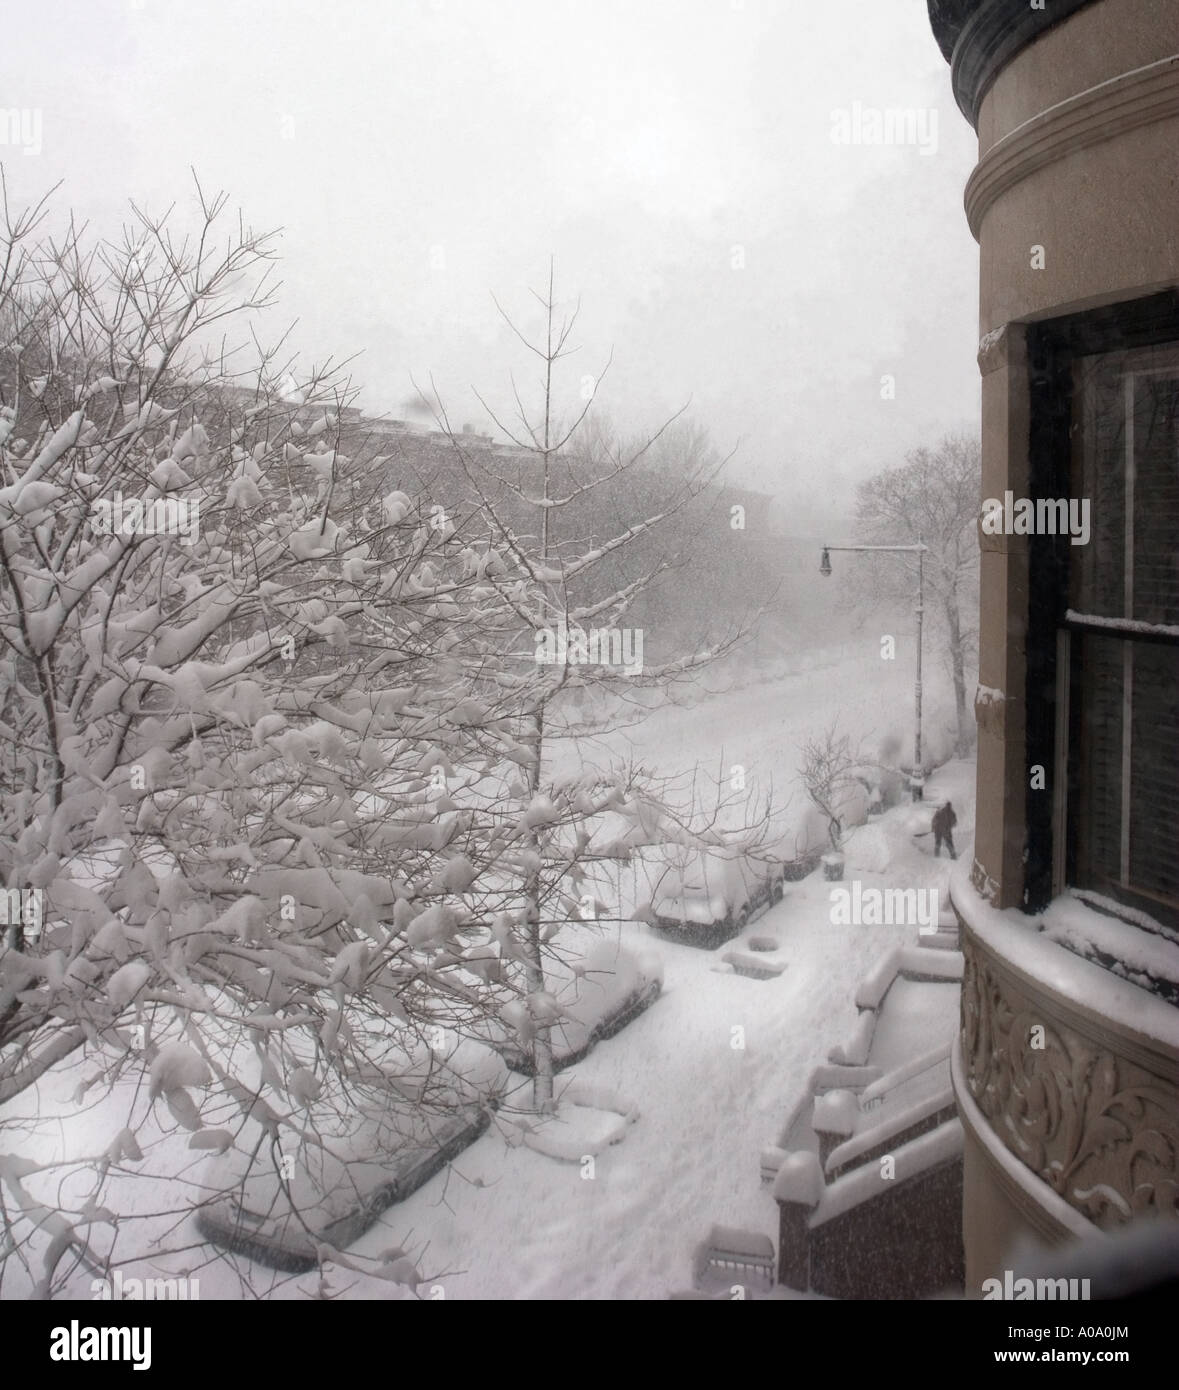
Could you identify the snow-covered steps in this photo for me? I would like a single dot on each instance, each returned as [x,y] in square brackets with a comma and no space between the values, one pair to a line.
[870,1199]
[942,940]
[887,1229]
[881,1030]
[918,963]
[899,1108]
[884,1076]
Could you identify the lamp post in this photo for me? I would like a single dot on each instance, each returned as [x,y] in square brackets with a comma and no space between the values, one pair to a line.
[917,777]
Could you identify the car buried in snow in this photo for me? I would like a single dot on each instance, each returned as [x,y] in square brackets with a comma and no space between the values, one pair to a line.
[705,899]
[591,997]
[294,1180]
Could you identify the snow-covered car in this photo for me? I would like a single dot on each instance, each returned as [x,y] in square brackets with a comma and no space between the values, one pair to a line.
[322,1174]
[589,998]
[707,899]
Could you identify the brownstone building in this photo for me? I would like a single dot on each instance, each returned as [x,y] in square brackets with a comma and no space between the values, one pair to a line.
[1066,1073]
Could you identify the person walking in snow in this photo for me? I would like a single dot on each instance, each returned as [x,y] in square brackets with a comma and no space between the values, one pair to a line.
[944,821]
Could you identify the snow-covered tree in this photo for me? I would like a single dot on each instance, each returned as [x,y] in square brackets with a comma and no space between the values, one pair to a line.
[934,496]
[573,663]
[235,679]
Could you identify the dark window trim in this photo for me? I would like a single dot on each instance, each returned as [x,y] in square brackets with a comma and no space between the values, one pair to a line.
[1052,346]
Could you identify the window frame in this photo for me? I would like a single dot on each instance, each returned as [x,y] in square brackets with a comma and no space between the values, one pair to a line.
[1053,656]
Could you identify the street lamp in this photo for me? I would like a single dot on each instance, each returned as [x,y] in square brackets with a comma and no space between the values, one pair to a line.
[917,777]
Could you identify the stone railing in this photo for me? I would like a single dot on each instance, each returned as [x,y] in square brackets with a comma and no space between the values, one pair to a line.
[1075,1070]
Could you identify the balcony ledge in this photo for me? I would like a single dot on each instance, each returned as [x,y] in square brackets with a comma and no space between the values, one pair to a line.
[1075,1071]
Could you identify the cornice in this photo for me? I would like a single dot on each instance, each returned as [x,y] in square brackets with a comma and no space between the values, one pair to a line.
[980,37]
[1141,97]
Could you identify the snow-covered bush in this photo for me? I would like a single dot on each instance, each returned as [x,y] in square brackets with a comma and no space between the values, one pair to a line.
[830,773]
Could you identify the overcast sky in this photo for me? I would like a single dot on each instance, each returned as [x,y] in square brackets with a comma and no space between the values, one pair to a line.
[674,156]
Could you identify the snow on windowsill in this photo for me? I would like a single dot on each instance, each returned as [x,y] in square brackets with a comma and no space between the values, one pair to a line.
[1142,950]
[1020,940]
[1122,624]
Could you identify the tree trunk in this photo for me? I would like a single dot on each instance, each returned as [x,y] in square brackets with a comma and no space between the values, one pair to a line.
[542,1047]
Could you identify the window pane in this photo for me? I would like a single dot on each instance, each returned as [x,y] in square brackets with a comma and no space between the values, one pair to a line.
[1154,765]
[1098,569]
[1099,768]
[1156,499]
[1127,806]
[1127,461]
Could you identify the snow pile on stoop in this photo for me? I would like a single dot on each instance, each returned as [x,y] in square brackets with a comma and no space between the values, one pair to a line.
[854,1051]
[876,983]
[800,1179]
[837,1112]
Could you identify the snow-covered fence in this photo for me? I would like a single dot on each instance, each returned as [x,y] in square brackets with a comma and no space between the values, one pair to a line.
[735,1253]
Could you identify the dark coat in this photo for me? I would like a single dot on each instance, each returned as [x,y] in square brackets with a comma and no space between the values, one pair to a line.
[944,820]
